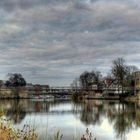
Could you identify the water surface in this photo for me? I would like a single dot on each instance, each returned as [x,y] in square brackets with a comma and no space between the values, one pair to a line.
[107,120]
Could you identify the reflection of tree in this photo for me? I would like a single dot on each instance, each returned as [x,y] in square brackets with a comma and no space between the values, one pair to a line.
[15,110]
[87,117]
[90,112]
[123,116]
[17,113]
[120,125]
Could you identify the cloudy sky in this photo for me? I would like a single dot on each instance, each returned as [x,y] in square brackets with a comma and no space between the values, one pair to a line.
[53,41]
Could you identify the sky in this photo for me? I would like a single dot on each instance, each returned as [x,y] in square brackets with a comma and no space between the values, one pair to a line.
[54,41]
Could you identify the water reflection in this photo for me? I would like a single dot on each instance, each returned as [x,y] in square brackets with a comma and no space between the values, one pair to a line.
[14,109]
[124,117]
[121,119]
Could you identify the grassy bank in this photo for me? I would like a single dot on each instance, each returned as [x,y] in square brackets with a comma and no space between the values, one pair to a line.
[8,132]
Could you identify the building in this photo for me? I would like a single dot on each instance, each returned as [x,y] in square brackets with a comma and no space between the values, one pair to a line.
[137,80]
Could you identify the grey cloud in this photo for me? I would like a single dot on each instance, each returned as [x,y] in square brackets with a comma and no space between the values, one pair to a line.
[51,40]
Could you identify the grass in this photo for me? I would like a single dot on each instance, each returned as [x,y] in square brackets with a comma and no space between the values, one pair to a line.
[7,131]
[88,135]
[57,136]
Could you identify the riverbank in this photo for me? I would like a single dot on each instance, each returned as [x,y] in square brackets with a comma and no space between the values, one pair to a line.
[14,93]
[132,99]
[8,132]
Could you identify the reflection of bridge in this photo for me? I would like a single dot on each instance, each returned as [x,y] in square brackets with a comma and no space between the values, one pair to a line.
[55,112]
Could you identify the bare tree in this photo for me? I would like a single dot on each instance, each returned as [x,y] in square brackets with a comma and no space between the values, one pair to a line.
[130,79]
[75,84]
[119,71]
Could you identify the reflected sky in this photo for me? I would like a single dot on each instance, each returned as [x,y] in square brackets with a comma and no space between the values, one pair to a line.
[107,120]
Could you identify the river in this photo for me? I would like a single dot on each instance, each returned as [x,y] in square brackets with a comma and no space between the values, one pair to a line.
[106,120]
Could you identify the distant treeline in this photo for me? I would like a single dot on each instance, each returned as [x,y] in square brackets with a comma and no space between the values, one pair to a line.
[14,80]
[120,74]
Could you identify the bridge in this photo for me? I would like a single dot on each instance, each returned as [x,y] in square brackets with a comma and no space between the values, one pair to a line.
[62,91]
[59,91]
[55,91]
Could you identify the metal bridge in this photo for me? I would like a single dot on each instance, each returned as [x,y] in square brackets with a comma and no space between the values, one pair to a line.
[60,91]
[66,90]
[69,90]
[54,91]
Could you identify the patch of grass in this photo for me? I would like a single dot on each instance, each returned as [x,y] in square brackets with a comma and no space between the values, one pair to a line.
[88,135]
[58,136]
[7,131]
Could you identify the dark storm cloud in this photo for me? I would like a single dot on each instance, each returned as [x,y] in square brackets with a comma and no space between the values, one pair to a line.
[56,40]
